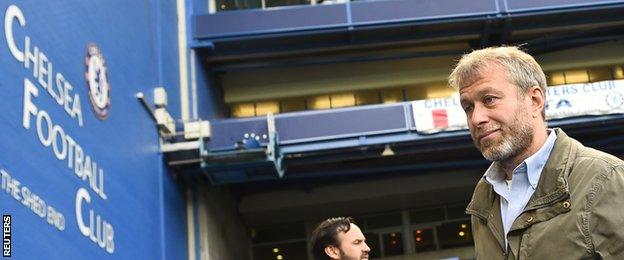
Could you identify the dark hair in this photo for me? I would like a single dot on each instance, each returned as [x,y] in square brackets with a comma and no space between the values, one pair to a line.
[326,234]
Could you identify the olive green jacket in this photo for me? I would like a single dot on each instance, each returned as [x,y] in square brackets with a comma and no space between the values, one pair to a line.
[576,212]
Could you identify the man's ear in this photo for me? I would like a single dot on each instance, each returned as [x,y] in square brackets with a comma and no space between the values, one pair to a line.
[333,252]
[538,100]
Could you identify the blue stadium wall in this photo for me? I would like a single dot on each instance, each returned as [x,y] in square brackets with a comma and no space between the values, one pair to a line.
[82,175]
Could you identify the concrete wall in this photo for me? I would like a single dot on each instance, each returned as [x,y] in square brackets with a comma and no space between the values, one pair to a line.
[223,235]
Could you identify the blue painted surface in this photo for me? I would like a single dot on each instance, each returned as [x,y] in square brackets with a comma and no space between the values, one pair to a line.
[360,14]
[138,198]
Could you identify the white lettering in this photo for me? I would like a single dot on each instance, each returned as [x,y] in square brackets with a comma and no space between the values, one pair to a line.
[13,12]
[46,140]
[59,135]
[63,145]
[42,67]
[29,108]
[31,56]
[79,156]
[55,218]
[11,185]
[76,109]
[99,231]
[81,195]
[70,148]
[32,201]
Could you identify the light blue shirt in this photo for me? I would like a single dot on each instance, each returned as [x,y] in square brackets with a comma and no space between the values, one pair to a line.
[516,193]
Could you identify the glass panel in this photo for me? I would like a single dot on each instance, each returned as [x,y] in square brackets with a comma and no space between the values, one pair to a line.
[227,5]
[243,110]
[383,221]
[426,216]
[600,74]
[321,102]
[372,240]
[439,90]
[392,244]
[293,104]
[454,234]
[263,108]
[423,239]
[293,250]
[416,92]
[556,78]
[576,76]
[618,72]
[367,97]
[392,95]
[342,100]
[275,3]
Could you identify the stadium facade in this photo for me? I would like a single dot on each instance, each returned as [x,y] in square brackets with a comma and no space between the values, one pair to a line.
[226,129]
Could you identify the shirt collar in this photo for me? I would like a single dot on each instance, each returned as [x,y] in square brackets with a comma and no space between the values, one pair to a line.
[534,164]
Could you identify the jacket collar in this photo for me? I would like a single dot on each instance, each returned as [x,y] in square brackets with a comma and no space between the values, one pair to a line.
[553,183]
[552,186]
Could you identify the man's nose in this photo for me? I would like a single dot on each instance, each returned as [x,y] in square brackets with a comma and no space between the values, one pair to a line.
[478,115]
[366,248]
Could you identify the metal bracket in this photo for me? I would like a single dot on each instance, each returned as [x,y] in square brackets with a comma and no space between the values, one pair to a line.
[273,149]
[164,121]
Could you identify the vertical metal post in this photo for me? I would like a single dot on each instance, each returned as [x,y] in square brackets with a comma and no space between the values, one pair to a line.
[408,238]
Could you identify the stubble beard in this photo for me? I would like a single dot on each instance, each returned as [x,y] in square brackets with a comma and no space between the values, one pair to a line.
[515,138]
[343,256]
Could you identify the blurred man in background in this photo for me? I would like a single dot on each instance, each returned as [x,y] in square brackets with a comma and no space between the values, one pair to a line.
[338,238]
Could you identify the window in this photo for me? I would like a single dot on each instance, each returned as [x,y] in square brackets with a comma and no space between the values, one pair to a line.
[555,79]
[392,244]
[283,242]
[276,3]
[243,110]
[415,93]
[576,76]
[424,239]
[263,108]
[600,74]
[342,100]
[367,97]
[439,90]
[618,73]
[228,5]
[454,234]
[584,75]
[293,104]
[392,95]
[319,102]
[288,250]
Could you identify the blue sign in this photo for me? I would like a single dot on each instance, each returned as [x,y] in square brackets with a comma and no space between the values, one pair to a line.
[81,173]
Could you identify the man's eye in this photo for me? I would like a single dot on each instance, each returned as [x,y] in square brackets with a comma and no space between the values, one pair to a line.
[488,100]
[467,108]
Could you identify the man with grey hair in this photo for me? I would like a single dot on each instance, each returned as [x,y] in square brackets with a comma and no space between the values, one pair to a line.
[545,195]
